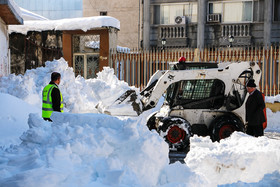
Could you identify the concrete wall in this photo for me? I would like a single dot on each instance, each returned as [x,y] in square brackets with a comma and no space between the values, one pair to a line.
[4,52]
[127,11]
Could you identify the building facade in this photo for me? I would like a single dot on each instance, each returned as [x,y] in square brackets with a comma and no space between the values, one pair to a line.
[129,12]
[54,9]
[200,23]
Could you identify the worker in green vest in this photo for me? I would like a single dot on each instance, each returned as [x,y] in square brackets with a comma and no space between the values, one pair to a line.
[52,98]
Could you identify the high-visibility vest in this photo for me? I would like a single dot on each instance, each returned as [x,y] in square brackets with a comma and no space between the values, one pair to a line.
[47,104]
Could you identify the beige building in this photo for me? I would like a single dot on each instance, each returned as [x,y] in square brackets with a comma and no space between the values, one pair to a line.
[128,12]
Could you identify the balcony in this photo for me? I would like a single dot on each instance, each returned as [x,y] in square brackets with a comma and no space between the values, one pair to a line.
[241,33]
[175,35]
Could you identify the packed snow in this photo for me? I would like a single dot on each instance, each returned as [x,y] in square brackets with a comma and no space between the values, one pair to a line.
[85,23]
[82,147]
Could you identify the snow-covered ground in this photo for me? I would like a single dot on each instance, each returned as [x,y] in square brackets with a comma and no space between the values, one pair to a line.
[84,148]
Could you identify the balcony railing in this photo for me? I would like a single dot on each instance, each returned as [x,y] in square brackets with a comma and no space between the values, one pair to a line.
[239,30]
[172,31]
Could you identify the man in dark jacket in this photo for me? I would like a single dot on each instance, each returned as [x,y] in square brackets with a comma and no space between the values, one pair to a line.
[254,110]
[52,98]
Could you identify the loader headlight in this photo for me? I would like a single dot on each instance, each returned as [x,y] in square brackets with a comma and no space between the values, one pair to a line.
[252,63]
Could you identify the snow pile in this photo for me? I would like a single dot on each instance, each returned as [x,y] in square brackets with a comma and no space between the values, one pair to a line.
[80,95]
[85,149]
[85,23]
[238,158]
[272,99]
[13,118]
[99,150]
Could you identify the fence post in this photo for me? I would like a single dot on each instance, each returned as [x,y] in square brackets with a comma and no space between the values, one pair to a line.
[196,55]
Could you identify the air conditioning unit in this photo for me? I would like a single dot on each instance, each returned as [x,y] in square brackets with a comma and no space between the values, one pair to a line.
[214,18]
[180,19]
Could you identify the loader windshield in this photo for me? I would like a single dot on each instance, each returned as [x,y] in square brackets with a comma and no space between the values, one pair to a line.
[196,94]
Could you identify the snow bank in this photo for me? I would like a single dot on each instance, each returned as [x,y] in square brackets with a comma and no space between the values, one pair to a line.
[80,95]
[272,99]
[237,158]
[85,149]
[85,23]
[93,149]
[13,119]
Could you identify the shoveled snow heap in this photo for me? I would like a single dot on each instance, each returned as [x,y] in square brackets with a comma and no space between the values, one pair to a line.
[99,150]
[80,95]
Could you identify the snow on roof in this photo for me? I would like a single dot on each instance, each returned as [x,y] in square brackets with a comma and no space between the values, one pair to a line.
[96,45]
[10,12]
[15,7]
[28,15]
[84,24]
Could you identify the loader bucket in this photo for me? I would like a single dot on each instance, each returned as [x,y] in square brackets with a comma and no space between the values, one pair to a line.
[128,104]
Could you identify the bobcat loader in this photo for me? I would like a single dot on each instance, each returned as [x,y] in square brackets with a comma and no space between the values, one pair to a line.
[200,98]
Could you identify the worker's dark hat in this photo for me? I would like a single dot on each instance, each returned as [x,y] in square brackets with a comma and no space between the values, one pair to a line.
[251,83]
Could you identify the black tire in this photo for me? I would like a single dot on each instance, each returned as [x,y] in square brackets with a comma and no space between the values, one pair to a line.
[151,122]
[176,132]
[223,126]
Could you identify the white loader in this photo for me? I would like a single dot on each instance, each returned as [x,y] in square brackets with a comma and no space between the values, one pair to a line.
[200,98]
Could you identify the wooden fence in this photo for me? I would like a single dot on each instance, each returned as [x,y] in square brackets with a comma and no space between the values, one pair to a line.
[138,66]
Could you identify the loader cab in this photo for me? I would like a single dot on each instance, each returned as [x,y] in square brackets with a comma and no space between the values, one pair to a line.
[208,93]
[196,94]
[191,65]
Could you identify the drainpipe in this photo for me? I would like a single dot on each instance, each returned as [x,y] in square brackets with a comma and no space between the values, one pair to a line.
[267,23]
[201,20]
[139,24]
[146,26]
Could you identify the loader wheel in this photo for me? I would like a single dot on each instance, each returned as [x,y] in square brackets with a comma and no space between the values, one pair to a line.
[151,122]
[224,126]
[176,132]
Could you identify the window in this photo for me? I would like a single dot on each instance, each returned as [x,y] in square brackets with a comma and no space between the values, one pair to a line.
[104,13]
[166,13]
[215,8]
[156,15]
[196,94]
[234,11]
